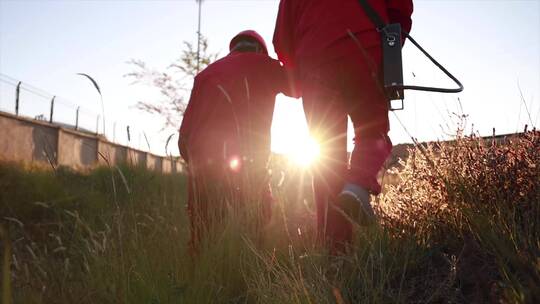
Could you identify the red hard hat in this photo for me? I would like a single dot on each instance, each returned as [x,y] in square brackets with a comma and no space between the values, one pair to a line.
[249,34]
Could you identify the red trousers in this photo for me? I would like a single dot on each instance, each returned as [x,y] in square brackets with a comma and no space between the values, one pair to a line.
[333,91]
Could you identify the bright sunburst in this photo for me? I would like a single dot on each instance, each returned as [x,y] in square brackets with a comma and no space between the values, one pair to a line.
[305,153]
[290,135]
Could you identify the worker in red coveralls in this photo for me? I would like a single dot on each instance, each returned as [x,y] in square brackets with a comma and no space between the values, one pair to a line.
[339,76]
[225,132]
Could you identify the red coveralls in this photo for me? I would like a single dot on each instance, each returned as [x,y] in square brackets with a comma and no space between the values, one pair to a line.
[340,79]
[225,134]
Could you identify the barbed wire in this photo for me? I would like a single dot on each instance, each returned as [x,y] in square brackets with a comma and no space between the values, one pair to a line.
[41,93]
[83,118]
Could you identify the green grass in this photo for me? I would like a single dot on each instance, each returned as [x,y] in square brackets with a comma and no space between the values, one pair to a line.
[461,226]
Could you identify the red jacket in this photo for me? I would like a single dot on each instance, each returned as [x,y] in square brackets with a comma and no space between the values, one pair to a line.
[230,110]
[311,32]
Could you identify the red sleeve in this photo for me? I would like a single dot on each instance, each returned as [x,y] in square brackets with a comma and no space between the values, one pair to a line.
[285,81]
[400,11]
[284,34]
[284,44]
[187,121]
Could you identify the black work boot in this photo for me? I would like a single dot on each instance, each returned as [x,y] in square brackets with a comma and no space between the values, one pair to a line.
[354,201]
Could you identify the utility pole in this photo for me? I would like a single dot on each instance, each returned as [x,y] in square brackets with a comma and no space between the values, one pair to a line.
[199,37]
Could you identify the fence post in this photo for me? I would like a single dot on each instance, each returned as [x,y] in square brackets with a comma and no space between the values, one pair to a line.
[52,110]
[97,125]
[17,93]
[77,118]
[128,155]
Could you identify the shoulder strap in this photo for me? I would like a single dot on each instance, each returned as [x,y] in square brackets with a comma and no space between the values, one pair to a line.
[380,24]
[372,14]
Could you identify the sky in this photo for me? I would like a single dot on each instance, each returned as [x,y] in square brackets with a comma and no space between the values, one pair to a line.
[492,46]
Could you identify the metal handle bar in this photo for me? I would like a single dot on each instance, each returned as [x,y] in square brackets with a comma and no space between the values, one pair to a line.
[430,89]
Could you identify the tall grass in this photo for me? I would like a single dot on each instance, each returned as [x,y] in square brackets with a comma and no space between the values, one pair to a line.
[460,226]
[478,202]
[75,241]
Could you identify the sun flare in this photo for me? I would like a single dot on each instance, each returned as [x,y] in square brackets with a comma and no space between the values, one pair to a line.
[290,134]
[304,153]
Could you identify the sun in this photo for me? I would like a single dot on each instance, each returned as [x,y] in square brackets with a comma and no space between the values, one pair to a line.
[304,153]
[290,134]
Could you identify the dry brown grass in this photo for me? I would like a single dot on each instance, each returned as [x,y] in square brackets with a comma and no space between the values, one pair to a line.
[479,202]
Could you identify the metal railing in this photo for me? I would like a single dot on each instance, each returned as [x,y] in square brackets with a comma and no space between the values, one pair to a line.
[22,99]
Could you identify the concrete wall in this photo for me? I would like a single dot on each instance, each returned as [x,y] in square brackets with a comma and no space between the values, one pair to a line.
[154,162]
[27,140]
[23,140]
[76,150]
[166,165]
[136,158]
[110,153]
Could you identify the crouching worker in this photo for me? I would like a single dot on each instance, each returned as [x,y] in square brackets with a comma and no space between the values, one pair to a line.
[225,134]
